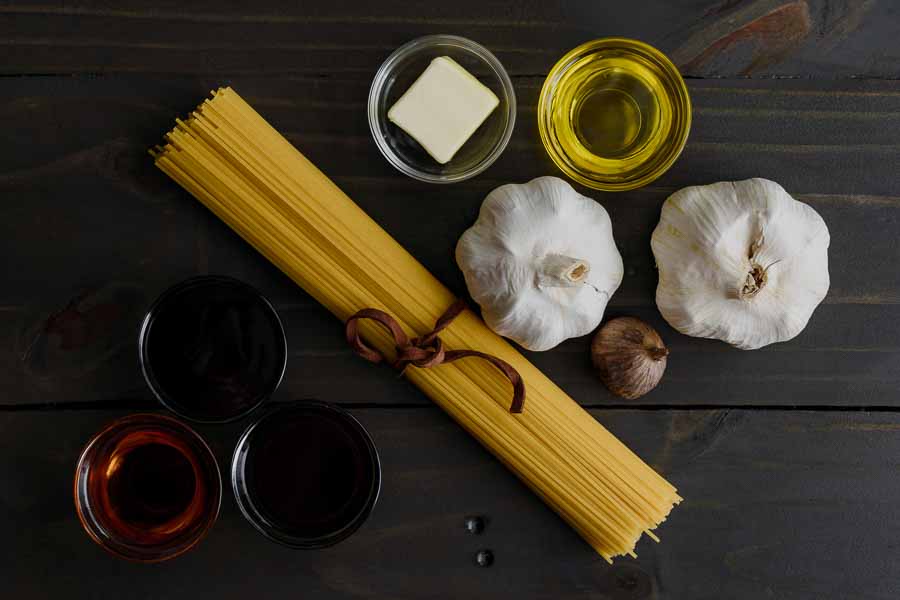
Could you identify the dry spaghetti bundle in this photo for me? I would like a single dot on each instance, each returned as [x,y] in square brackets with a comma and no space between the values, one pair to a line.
[235,163]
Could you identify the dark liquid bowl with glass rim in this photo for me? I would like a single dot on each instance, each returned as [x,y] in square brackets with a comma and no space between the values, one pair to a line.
[306,474]
[212,349]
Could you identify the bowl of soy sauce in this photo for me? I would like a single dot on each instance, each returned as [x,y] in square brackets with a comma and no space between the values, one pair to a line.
[306,474]
[212,349]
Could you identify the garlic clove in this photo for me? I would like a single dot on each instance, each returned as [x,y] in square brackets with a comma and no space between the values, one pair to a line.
[629,356]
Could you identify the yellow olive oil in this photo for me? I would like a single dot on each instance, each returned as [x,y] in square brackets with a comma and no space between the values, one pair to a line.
[614,114]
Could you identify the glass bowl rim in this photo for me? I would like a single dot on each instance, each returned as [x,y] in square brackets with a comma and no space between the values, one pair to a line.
[387,68]
[84,511]
[563,65]
[256,519]
[159,393]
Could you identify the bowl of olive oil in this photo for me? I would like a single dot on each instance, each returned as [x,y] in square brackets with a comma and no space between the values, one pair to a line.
[614,114]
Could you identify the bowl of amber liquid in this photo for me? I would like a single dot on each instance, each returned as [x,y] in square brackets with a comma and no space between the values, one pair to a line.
[614,114]
[147,488]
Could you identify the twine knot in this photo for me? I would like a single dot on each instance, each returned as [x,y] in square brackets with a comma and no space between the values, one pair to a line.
[426,351]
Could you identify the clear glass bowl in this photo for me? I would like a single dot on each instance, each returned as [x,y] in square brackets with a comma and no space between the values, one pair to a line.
[399,72]
[228,365]
[614,114]
[108,481]
[294,446]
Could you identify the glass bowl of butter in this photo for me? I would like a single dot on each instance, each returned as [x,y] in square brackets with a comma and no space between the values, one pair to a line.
[441,108]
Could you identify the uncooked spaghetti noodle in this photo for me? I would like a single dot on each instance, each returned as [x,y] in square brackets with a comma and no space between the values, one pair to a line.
[244,171]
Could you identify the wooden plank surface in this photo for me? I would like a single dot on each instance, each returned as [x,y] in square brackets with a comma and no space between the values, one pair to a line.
[720,38]
[780,502]
[772,510]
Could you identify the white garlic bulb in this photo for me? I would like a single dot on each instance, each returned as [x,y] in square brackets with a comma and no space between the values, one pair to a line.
[541,262]
[741,262]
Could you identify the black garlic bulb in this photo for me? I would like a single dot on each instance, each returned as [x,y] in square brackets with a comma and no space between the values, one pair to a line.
[629,356]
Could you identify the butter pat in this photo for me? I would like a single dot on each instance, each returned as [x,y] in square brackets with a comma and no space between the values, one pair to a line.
[443,108]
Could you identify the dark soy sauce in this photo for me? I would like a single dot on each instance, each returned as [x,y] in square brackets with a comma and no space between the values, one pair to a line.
[213,349]
[311,474]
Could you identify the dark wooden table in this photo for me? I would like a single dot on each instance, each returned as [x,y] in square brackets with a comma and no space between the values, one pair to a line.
[787,456]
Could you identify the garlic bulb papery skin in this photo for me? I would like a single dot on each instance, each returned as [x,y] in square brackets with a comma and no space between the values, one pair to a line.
[629,356]
[541,262]
[740,261]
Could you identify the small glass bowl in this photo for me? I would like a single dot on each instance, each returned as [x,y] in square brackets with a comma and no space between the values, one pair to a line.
[255,355]
[306,457]
[101,517]
[398,73]
[614,114]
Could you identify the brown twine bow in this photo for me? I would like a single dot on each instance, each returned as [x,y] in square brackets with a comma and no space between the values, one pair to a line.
[428,350]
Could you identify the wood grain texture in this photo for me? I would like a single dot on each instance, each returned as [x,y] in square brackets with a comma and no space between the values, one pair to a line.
[780,503]
[771,510]
[76,177]
[822,38]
